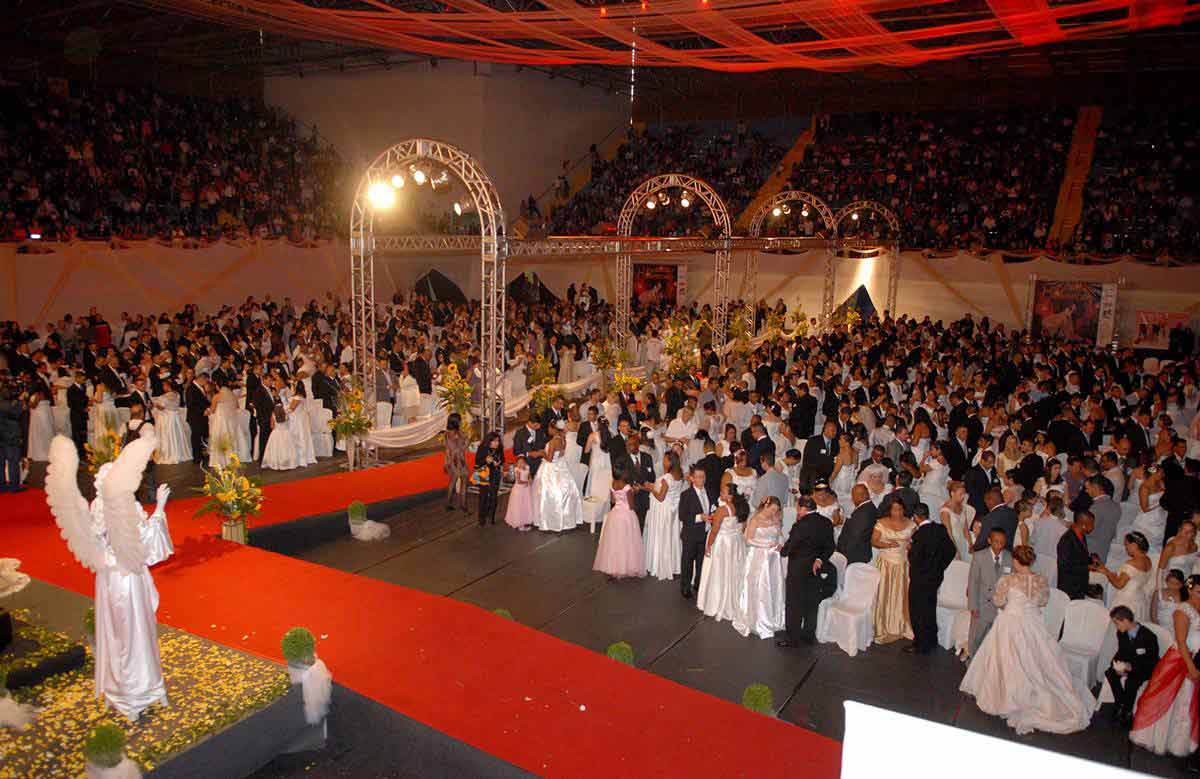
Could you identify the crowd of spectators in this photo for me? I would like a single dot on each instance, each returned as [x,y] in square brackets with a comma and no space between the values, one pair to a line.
[735,163]
[80,160]
[1141,193]
[955,180]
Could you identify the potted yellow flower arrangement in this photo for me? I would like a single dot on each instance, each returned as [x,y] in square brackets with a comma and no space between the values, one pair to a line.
[351,421]
[455,393]
[108,446]
[233,496]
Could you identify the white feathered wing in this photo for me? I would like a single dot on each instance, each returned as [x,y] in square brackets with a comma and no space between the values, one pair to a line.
[67,505]
[122,514]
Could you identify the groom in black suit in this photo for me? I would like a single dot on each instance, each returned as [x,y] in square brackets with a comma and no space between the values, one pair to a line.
[695,514]
[929,555]
[643,473]
[196,397]
[530,442]
[808,548]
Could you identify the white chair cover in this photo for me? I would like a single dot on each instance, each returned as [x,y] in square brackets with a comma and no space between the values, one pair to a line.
[383,414]
[951,604]
[1055,612]
[1165,641]
[1084,631]
[848,621]
[321,434]
[840,562]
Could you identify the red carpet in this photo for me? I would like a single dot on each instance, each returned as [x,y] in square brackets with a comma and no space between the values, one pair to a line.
[548,706]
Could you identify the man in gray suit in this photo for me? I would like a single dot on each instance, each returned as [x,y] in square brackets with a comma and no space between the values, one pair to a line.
[898,446]
[772,483]
[987,566]
[1107,513]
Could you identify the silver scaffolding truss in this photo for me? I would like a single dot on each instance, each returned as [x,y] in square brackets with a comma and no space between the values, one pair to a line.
[399,160]
[784,200]
[852,210]
[650,188]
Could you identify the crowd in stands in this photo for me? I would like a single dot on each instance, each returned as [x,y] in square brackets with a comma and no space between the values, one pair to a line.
[78,160]
[735,163]
[1142,190]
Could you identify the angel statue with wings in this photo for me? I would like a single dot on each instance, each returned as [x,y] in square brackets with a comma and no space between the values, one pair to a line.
[115,539]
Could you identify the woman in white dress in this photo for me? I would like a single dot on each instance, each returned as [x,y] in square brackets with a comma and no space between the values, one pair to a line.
[1180,552]
[516,373]
[170,424]
[1133,581]
[574,452]
[408,396]
[41,427]
[957,516]
[724,556]
[557,504]
[599,478]
[1151,521]
[1172,592]
[664,548]
[760,601]
[222,428]
[280,454]
[102,415]
[1045,530]
[1019,672]
[1162,719]
[845,473]
[935,475]
[741,474]
[299,424]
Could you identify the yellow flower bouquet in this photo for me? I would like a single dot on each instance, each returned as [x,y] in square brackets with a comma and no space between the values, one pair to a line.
[231,494]
[108,446]
[351,419]
[454,391]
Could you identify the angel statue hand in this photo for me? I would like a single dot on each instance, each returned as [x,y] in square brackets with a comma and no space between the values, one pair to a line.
[164,492]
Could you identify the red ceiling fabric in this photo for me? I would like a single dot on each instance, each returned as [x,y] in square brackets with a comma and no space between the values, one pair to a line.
[829,35]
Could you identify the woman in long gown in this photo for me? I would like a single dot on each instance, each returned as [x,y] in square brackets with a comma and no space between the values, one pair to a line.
[935,473]
[519,513]
[222,427]
[102,415]
[957,516]
[557,504]
[170,424]
[1151,521]
[1166,706]
[760,599]
[664,548]
[280,453]
[724,556]
[1132,582]
[620,552]
[599,478]
[741,474]
[300,426]
[574,452]
[41,427]
[890,537]
[1019,672]
[845,473]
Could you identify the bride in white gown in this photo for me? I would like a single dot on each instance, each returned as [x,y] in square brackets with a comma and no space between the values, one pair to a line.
[223,429]
[1019,672]
[557,504]
[174,436]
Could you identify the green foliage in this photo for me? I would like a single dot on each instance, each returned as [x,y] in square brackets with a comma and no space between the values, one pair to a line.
[542,372]
[89,621]
[105,747]
[454,391]
[357,511]
[604,354]
[680,344]
[758,697]
[299,646]
[621,651]
[504,613]
[543,396]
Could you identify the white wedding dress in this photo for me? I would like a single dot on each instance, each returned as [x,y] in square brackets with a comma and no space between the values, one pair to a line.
[557,504]
[574,454]
[102,416]
[933,487]
[664,548]
[280,454]
[223,435]
[41,430]
[599,479]
[760,599]
[1019,672]
[721,578]
[174,435]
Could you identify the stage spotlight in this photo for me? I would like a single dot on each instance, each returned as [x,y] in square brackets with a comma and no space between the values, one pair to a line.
[664,198]
[776,211]
[457,208]
[685,199]
[854,216]
[804,211]
[786,208]
[381,196]
[35,236]
[397,181]
[650,204]
[418,175]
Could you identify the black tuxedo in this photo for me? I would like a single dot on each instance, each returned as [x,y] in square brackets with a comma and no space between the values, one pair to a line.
[958,457]
[551,417]
[526,441]
[855,540]
[77,403]
[112,380]
[197,405]
[811,539]
[1003,517]
[262,404]
[1030,470]
[585,432]
[643,464]
[977,482]
[757,450]
[803,416]
[694,536]
[714,468]
[325,390]
[930,555]
[1073,559]
[818,461]
[1142,652]
[618,452]
[135,396]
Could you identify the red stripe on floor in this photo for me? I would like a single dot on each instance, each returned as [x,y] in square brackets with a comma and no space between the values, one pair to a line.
[546,705]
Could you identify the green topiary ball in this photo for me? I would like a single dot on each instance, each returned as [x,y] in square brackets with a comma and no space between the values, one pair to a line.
[299,646]
[621,651]
[105,747]
[758,697]
[504,613]
[89,621]
[357,511]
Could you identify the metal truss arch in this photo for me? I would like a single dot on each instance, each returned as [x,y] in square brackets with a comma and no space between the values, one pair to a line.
[396,160]
[720,216]
[867,205]
[793,196]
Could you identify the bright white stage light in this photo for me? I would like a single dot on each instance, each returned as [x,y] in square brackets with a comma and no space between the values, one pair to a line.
[397,181]
[776,211]
[685,199]
[35,236]
[804,211]
[381,196]
[854,216]
[651,203]
[786,208]
[664,198]
[457,208]
[418,176]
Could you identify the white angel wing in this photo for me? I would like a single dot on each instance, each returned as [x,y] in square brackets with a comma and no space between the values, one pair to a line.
[67,505]
[122,514]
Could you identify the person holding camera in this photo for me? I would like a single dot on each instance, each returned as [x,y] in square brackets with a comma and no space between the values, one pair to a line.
[811,577]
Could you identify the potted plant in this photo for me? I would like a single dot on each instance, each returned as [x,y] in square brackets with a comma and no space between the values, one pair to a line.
[104,752]
[299,648]
[232,496]
[357,511]
[620,651]
[351,422]
[759,698]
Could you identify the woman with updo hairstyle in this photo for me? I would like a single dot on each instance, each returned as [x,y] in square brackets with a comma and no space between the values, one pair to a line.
[1019,671]
[1133,583]
[1163,719]
[1172,592]
[724,555]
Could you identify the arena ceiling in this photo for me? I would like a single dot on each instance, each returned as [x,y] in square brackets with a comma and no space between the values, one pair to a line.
[682,48]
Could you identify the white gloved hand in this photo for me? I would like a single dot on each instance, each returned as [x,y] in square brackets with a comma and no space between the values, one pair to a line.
[164,492]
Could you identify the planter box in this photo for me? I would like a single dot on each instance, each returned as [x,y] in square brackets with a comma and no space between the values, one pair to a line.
[234,530]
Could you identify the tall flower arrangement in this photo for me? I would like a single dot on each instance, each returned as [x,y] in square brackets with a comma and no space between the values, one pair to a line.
[230,493]
[741,328]
[454,391]
[351,419]
[625,381]
[800,322]
[542,378]
[680,343]
[541,372]
[107,448]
